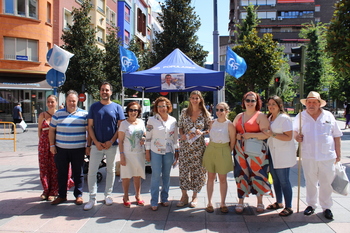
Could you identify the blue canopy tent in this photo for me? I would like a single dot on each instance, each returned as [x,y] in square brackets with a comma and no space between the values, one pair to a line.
[196,77]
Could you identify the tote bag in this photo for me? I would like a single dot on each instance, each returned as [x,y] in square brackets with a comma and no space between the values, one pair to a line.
[340,183]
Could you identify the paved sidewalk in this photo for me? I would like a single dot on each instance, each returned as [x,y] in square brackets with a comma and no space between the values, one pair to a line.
[22,211]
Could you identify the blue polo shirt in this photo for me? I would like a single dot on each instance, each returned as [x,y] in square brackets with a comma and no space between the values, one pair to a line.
[106,119]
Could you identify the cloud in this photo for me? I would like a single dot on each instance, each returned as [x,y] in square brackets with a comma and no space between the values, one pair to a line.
[155,5]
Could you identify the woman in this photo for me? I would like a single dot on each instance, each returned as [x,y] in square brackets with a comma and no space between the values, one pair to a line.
[283,153]
[250,170]
[47,166]
[347,116]
[161,147]
[193,124]
[217,157]
[132,154]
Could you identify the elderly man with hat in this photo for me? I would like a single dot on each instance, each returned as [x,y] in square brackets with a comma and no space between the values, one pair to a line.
[319,136]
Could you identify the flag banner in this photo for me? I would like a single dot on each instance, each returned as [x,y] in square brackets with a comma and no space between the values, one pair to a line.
[59,59]
[235,65]
[128,60]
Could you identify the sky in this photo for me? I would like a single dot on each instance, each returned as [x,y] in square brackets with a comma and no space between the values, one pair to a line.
[204,9]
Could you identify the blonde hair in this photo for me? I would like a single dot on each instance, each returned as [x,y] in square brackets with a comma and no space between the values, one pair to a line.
[202,107]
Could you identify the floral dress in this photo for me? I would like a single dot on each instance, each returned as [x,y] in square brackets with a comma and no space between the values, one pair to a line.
[191,171]
[47,166]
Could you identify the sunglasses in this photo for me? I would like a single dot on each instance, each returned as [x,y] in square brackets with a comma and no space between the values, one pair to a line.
[250,101]
[133,110]
[220,110]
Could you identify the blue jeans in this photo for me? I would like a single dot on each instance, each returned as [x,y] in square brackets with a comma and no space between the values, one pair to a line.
[161,166]
[282,184]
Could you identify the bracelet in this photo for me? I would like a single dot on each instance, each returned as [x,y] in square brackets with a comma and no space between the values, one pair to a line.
[111,141]
[121,152]
[52,145]
[87,146]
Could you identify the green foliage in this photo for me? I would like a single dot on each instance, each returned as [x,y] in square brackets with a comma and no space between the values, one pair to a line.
[117,102]
[250,22]
[180,24]
[184,104]
[231,116]
[338,45]
[112,63]
[85,71]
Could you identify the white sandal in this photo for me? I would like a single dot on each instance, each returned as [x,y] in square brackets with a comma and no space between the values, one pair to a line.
[260,208]
[239,208]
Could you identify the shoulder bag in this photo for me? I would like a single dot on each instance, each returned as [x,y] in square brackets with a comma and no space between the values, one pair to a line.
[252,146]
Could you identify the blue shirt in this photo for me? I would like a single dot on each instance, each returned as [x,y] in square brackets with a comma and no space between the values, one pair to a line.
[70,128]
[15,113]
[105,119]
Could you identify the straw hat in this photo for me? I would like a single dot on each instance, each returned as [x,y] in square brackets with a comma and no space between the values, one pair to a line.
[314,95]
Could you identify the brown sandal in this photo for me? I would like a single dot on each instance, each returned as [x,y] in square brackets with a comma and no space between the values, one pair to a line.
[224,209]
[274,206]
[209,209]
[286,212]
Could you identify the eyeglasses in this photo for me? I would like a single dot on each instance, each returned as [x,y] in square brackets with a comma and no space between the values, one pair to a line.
[162,106]
[133,110]
[220,110]
[250,101]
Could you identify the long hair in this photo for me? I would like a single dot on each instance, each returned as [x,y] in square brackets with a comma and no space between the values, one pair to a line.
[279,103]
[201,105]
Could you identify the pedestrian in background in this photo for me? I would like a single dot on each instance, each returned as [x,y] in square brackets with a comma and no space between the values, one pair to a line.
[218,154]
[47,166]
[17,116]
[132,153]
[347,116]
[161,149]
[193,124]
[282,154]
[319,137]
[104,119]
[68,138]
[250,170]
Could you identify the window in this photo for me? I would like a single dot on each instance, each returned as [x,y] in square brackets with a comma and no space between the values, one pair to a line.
[113,21]
[101,5]
[141,22]
[127,14]
[317,8]
[100,35]
[67,20]
[23,8]
[126,37]
[107,14]
[20,49]
[48,13]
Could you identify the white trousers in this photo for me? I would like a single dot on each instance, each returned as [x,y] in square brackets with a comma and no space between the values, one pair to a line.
[319,176]
[95,159]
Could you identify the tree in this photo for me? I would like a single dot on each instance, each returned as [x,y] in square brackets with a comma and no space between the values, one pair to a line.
[85,71]
[249,23]
[180,24]
[338,44]
[112,68]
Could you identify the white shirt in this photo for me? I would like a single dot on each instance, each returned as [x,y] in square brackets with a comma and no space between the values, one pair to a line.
[318,141]
[283,153]
[219,132]
[165,86]
[162,136]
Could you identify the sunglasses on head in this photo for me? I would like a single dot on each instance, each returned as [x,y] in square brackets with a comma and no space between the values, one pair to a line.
[221,110]
[250,101]
[133,110]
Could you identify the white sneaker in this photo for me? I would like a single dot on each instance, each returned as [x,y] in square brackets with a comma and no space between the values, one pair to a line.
[108,200]
[90,204]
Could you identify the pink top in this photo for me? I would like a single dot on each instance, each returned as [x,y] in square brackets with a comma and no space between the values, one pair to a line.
[251,126]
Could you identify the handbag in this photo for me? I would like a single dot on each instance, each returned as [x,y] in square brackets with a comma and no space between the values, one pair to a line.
[252,146]
[340,183]
[23,125]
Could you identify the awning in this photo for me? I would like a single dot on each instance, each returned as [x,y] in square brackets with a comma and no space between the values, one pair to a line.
[24,84]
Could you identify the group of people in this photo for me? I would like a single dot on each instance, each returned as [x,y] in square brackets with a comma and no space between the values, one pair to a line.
[165,142]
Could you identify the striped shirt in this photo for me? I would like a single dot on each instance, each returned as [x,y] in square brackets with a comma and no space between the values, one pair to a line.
[70,128]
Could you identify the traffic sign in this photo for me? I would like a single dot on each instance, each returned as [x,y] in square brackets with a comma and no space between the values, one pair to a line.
[55,78]
[82,97]
[48,55]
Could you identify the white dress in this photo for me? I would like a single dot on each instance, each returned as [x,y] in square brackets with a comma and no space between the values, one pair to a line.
[133,151]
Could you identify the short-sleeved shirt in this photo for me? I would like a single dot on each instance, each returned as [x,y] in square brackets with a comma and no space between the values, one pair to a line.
[15,113]
[70,128]
[318,140]
[106,119]
[133,135]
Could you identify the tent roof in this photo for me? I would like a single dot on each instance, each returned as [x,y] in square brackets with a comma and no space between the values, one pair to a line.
[196,77]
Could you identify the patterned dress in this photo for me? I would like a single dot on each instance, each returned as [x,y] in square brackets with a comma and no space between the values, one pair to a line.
[192,173]
[250,171]
[47,166]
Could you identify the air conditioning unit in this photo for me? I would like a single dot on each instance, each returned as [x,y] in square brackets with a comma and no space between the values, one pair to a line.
[280,18]
[273,5]
[273,18]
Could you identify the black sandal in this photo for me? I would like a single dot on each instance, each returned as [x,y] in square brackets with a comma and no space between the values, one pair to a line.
[286,212]
[274,206]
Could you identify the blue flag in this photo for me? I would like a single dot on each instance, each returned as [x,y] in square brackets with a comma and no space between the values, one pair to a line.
[128,60]
[235,65]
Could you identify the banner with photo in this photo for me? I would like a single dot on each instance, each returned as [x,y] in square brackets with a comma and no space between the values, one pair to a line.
[172,81]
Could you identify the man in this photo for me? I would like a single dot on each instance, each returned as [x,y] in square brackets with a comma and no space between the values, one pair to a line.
[17,116]
[320,149]
[168,84]
[103,121]
[67,136]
